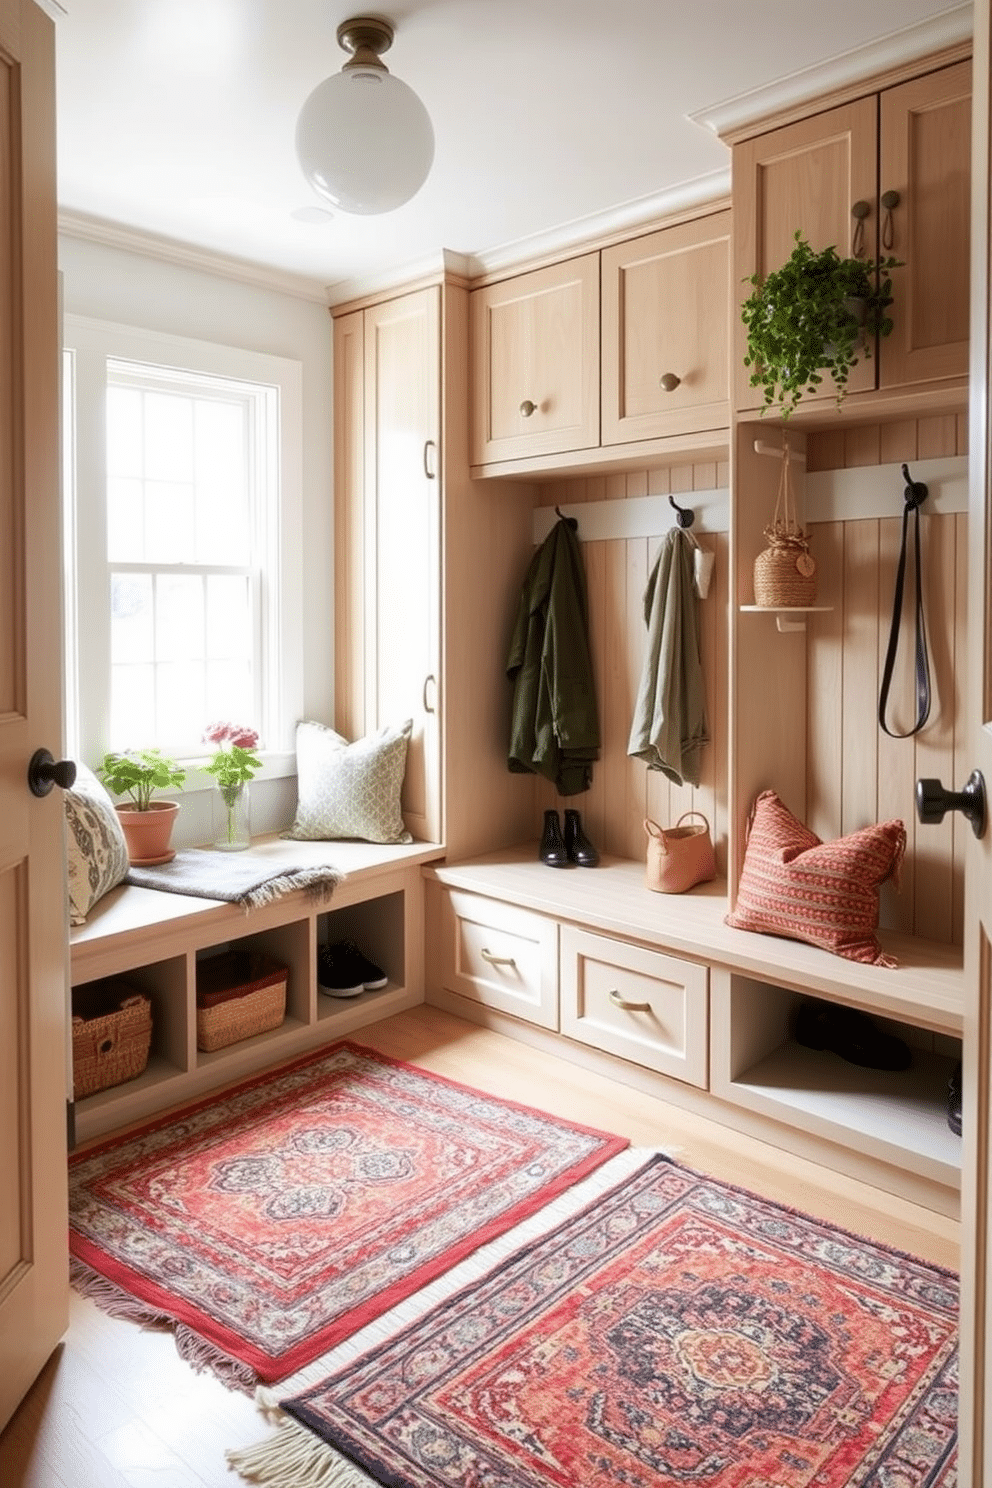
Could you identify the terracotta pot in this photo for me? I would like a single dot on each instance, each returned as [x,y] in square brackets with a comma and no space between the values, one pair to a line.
[147,833]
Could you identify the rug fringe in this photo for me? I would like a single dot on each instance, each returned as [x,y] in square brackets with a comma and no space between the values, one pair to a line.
[295,1458]
[196,1351]
[112,1299]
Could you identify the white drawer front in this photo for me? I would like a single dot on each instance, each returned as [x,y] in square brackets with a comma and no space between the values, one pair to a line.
[639,1004]
[501,956]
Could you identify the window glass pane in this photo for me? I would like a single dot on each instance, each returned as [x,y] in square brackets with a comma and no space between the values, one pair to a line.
[125,520]
[132,633]
[179,617]
[132,707]
[180,702]
[222,491]
[230,692]
[168,437]
[229,621]
[170,522]
[125,441]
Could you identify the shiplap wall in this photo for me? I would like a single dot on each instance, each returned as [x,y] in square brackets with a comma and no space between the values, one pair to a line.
[855,774]
[624,790]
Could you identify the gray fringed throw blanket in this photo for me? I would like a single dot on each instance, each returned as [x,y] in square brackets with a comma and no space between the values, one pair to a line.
[214,875]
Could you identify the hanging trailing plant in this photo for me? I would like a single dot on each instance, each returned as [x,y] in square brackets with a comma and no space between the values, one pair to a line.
[817,314]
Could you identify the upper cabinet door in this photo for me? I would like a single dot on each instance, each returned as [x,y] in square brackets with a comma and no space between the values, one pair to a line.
[807,176]
[535,362]
[666,327]
[925,156]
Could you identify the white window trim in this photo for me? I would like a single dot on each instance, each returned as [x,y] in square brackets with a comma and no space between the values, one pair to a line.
[92,342]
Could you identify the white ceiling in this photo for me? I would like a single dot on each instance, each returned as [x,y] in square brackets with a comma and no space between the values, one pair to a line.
[176,117]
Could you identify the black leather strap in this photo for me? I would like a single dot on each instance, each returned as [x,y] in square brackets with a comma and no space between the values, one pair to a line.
[915,494]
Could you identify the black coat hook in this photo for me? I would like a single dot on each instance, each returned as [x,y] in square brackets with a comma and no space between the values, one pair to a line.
[684,517]
[915,493]
[573,522]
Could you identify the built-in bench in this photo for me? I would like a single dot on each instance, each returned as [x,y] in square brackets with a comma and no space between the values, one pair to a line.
[154,939]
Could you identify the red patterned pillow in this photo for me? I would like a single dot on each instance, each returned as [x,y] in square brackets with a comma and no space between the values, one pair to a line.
[826,893]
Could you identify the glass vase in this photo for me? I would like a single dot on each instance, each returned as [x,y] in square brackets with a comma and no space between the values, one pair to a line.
[232,818]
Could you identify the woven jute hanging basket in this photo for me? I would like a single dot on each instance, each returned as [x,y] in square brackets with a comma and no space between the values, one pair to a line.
[785,573]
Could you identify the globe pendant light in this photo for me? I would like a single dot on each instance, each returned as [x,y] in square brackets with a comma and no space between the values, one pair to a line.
[364,139]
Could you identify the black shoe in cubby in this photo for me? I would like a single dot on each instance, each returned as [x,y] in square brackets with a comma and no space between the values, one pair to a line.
[345,971]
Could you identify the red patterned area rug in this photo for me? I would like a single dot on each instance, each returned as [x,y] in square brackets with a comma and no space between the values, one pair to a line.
[675,1331]
[270,1222]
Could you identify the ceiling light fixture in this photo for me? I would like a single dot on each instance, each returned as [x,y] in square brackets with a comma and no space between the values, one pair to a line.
[364,139]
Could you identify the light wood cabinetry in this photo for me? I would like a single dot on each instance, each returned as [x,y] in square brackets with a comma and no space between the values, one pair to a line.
[387,472]
[666,328]
[814,174]
[535,362]
[154,940]
[650,985]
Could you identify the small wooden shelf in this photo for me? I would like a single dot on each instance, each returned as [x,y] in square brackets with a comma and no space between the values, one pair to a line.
[783,614]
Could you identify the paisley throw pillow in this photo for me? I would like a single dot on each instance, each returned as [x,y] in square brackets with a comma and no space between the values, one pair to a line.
[96,853]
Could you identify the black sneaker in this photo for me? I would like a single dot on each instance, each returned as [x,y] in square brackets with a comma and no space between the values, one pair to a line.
[343,971]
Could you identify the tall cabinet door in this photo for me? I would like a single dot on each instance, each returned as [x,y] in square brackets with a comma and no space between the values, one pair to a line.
[34,1261]
[401,539]
[807,176]
[925,156]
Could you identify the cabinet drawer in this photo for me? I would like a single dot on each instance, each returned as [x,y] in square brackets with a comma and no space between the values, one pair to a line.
[501,956]
[639,1004]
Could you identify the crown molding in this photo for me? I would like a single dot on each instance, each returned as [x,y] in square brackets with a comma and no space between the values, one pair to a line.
[53,9]
[443,264]
[947,29]
[169,250]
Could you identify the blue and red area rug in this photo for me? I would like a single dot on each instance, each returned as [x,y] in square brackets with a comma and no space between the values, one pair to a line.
[674,1331]
[271,1221]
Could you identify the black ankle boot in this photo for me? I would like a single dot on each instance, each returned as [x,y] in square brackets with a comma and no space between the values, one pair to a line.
[553,850]
[577,844]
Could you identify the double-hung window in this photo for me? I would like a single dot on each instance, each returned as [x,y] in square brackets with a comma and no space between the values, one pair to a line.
[182,522]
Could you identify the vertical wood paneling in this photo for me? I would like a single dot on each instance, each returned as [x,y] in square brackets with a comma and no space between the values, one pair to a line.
[824,691]
[860,676]
[935,743]
[897,757]
[845,743]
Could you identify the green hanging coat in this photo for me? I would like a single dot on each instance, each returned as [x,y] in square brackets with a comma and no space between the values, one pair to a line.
[554,728]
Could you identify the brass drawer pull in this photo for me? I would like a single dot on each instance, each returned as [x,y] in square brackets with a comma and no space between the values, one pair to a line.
[497,960]
[621,1002]
[527,407]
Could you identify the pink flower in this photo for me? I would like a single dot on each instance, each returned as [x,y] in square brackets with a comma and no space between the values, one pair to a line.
[231,733]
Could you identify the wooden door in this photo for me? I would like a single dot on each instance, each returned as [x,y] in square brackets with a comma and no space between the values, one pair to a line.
[402,543]
[535,362]
[925,156]
[807,176]
[666,327]
[33,940]
[975,1452]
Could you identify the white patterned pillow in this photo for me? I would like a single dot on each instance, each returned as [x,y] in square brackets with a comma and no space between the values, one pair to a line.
[96,853]
[350,790]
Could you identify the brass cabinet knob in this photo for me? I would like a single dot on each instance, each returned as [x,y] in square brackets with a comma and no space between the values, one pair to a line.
[527,408]
[670,382]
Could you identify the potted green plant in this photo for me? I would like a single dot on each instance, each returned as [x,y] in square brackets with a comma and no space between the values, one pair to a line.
[818,313]
[147,824]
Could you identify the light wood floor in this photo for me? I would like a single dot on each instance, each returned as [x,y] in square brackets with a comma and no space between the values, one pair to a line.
[115,1407]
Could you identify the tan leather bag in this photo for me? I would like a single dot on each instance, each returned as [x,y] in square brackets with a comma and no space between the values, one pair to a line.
[679,856]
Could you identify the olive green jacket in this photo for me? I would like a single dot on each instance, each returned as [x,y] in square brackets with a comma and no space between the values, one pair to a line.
[554,729]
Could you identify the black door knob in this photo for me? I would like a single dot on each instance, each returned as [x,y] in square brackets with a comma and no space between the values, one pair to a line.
[44,771]
[932,801]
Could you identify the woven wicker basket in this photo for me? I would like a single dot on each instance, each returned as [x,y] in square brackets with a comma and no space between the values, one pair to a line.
[785,573]
[111,1035]
[238,994]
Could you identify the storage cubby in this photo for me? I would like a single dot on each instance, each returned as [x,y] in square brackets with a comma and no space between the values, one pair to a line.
[898,1117]
[378,904]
